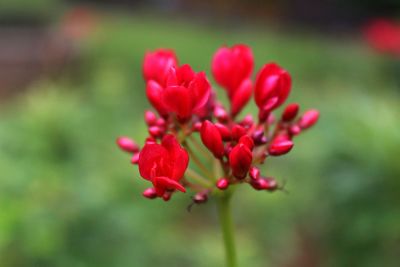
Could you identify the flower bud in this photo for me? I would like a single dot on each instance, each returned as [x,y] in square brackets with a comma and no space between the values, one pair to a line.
[156,131]
[222,183]
[290,112]
[135,158]
[259,138]
[294,130]
[150,193]
[197,126]
[127,144]
[280,147]
[247,121]
[167,196]
[200,197]
[211,138]
[308,119]
[247,141]
[240,159]
[224,131]
[221,114]
[254,173]
[269,184]
[237,132]
[150,118]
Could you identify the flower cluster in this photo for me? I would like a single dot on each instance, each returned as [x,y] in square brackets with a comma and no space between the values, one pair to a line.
[190,123]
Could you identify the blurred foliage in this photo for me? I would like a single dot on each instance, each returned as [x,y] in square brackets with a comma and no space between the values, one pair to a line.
[69,197]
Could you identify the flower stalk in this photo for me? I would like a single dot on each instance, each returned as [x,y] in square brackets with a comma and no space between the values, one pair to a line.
[227,228]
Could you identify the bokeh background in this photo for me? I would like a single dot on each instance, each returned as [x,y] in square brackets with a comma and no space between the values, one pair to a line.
[70,83]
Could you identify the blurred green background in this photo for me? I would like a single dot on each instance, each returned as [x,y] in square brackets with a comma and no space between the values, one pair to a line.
[70,84]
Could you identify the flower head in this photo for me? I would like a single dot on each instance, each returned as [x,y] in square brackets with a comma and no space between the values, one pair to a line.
[164,164]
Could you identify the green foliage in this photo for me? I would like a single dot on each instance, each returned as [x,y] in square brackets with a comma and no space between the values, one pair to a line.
[69,197]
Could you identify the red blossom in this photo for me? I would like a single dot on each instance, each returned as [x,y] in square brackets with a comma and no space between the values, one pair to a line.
[157,64]
[186,92]
[272,88]
[164,164]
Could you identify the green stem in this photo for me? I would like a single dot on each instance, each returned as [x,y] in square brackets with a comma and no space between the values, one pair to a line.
[225,218]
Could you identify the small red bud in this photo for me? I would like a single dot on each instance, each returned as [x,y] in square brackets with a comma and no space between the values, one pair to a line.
[222,183]
[272,184]
[247,141]
[224,131]
[240,159]
[237,132]
[280,147]
[200,197]
[197,126]
[156,131]
[212,139]
[127,144]
[150,193]
[254,173]
[161,123]
[290,112]
[247,121]
[135,158]
[259,184]
[167,196]
[269,184]
[308,119]
[295,130]
[259,138]
[221,114]
[150,117]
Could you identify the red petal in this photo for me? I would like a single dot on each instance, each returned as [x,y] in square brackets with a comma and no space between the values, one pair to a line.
[241,97]
[178,99]
[162,182]
[178,158]
[154,93]
[150,159]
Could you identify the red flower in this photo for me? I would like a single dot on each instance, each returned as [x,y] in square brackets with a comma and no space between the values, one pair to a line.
[272,87]
[164,164]
[240,159]
[212,139]
[186,92]
[157,64]
[230,68]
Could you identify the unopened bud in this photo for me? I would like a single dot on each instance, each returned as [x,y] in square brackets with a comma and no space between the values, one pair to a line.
[167,196]
[278,148]
[247,141]
[237,132]
[156,131]
[247,121]
[135,158]
[294,129]
[200,197]
[221,114]
[222,183]
[150,118]
[290,112]
[211,138]
[127,144]
[254,173]
[150,193]
[224,131]
[308,119]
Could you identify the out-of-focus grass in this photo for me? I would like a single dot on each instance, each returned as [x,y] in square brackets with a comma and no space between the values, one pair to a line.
[68,197]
